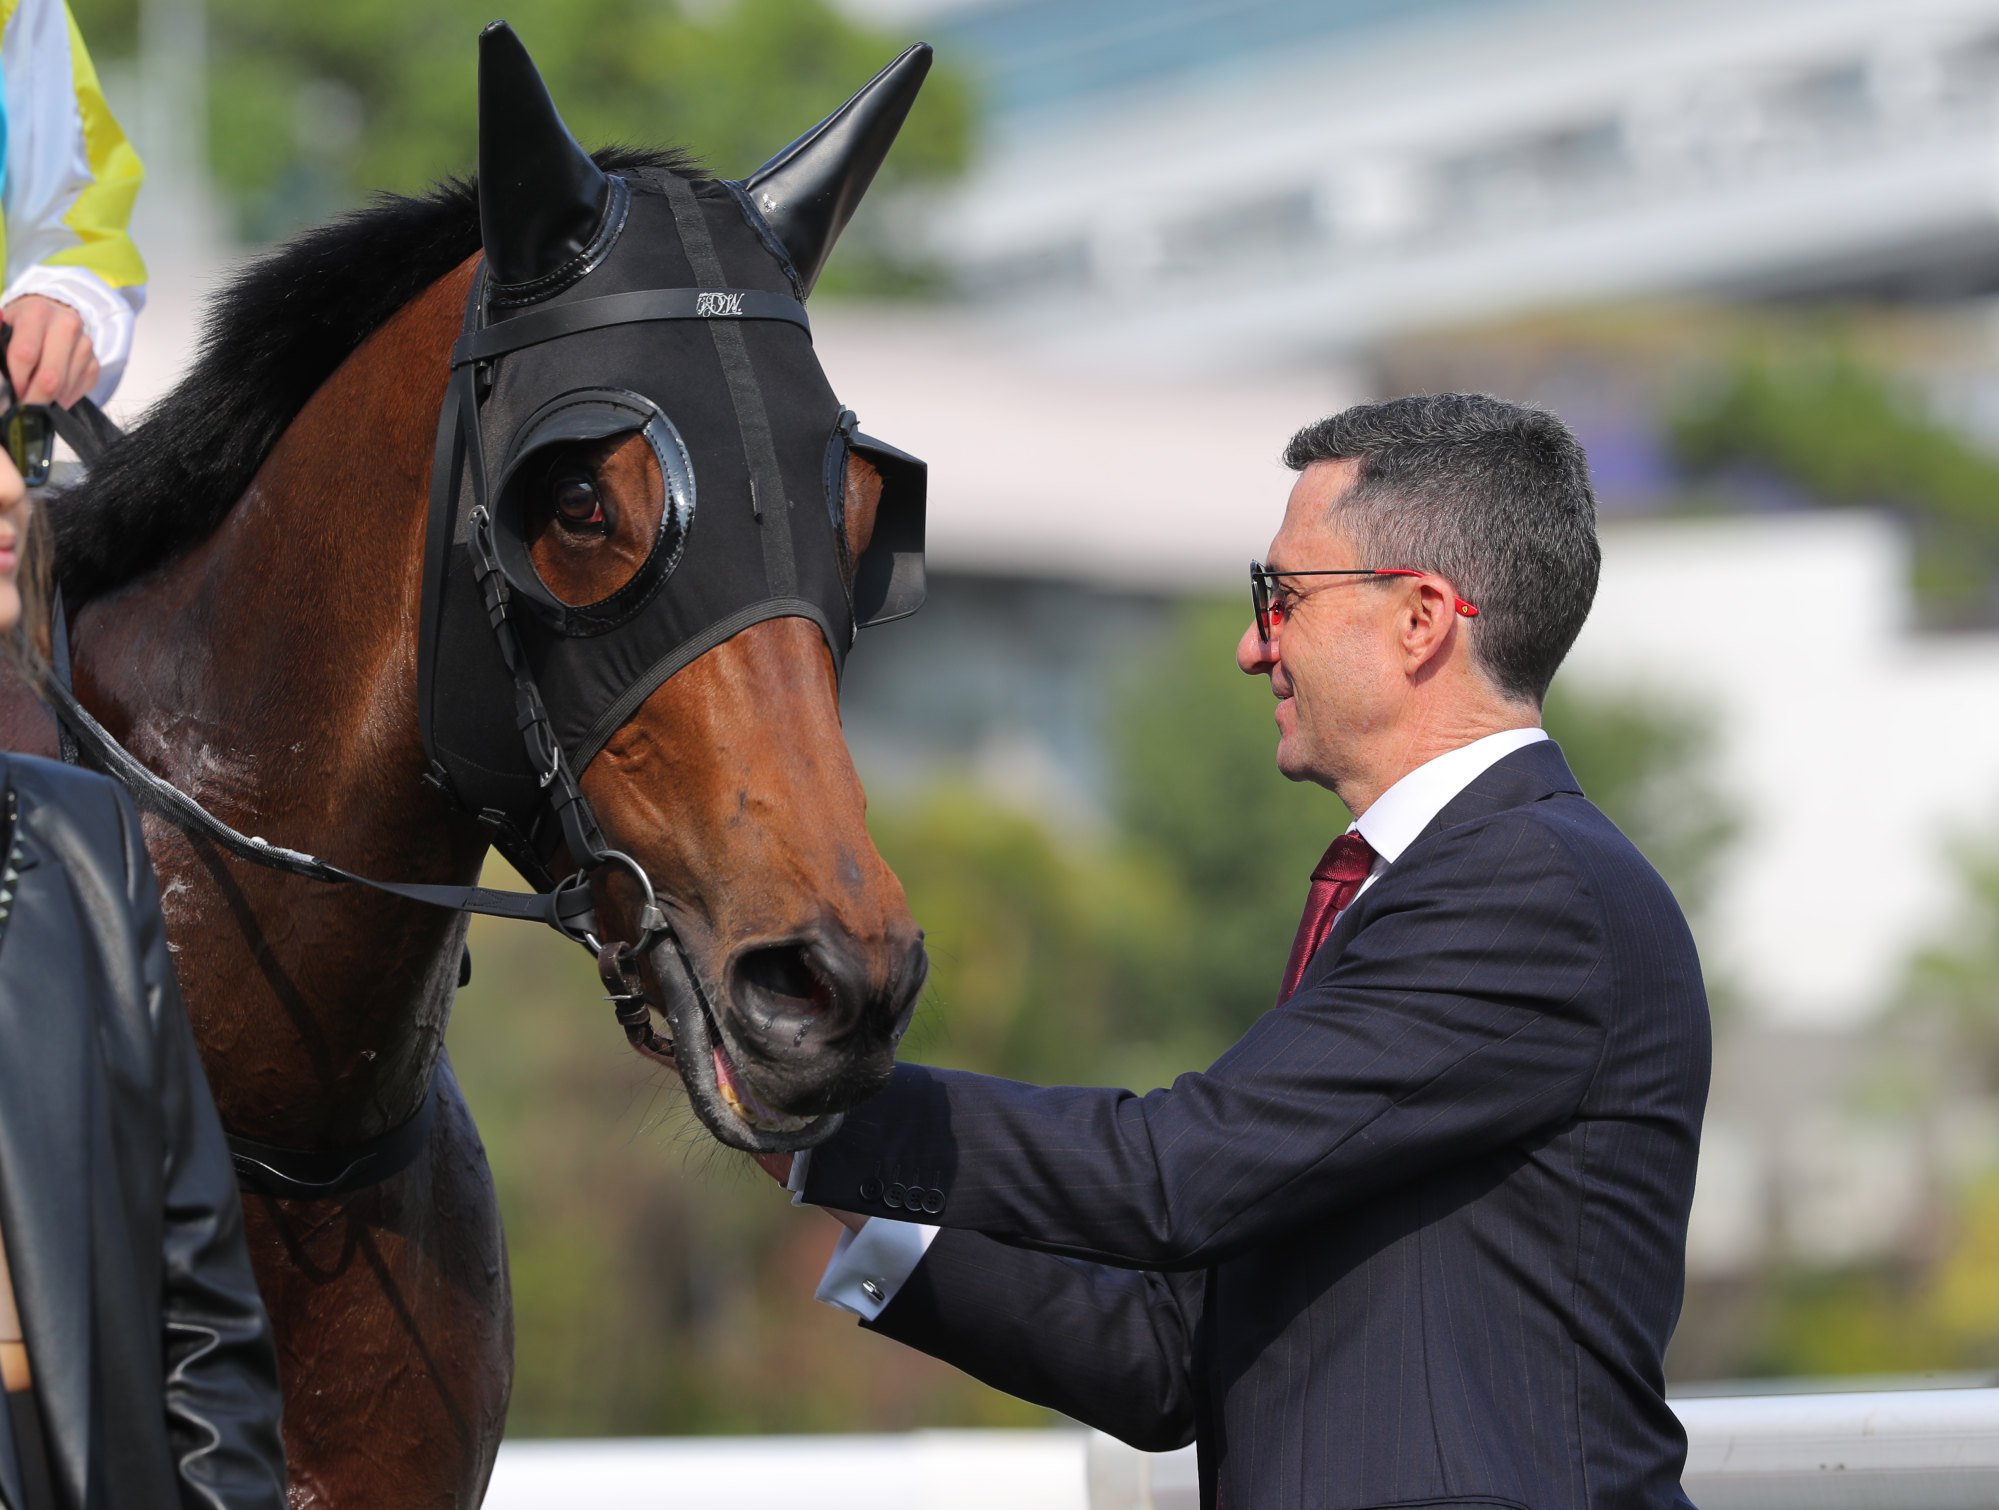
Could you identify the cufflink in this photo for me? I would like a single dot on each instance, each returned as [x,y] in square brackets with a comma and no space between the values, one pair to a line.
[873,1290]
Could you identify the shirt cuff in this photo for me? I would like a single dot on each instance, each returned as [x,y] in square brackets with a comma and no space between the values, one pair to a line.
[108,314]
[868,1267]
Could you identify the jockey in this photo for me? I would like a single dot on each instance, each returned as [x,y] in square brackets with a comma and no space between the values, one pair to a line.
[73,279]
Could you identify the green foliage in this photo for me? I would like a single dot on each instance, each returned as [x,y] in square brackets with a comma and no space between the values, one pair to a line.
[1647,761]
[1939,1312]
[1199,790]
[1052,958]
[1821,419]
[1955,979]
[312,107]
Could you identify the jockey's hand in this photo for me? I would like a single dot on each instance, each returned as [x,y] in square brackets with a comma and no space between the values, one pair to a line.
[49,357]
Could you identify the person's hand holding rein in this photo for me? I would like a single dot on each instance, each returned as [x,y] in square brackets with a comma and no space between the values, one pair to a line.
[49,356]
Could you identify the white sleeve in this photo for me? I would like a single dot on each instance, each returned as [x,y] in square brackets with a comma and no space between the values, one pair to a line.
[48,171]
[109,314]
[869,1266]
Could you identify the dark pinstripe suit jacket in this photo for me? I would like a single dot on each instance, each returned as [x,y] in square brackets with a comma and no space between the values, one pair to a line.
[1417,1239]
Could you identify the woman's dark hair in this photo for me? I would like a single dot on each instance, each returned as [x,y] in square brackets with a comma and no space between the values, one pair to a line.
[26,646]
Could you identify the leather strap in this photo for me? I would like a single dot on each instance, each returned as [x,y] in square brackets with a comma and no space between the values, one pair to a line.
[558,320]
[566,908]
[311,1174]
[85,429]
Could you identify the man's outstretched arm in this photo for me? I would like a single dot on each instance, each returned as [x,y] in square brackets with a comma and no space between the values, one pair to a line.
[1465,1014]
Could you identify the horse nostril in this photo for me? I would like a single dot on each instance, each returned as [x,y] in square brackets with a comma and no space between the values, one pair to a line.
[789,976]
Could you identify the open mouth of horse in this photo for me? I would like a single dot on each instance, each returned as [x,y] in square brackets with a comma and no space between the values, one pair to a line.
[711,1067]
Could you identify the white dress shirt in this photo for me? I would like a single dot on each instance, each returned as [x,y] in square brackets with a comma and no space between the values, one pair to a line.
[869,1266]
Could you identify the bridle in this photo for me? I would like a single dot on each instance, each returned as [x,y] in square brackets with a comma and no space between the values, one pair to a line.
[563,903]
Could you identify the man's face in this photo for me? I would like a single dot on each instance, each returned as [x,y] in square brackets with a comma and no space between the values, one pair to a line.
[1332,661]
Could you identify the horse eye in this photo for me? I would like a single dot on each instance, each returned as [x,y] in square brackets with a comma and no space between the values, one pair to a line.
[577,503]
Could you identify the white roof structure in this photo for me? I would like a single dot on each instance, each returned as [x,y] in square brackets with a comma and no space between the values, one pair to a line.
[1171,483]
[1412,167]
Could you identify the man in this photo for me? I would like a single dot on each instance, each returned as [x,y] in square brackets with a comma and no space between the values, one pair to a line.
[74,282]
[1418,1238]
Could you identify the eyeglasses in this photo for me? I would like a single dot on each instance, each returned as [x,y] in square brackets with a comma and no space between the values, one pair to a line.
[1270,613]
[28,429]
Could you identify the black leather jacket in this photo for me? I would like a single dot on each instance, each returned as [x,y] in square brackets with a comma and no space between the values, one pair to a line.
[152,1355]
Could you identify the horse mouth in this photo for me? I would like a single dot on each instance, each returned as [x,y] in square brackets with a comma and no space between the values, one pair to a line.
[716,1087]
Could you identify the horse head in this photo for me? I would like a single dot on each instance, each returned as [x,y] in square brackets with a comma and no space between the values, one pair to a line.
[644,471]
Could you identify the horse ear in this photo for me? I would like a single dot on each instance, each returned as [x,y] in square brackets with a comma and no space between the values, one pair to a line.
[810,190]
[541,198]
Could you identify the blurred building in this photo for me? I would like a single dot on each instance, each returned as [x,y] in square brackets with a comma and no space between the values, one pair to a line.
[1238,185]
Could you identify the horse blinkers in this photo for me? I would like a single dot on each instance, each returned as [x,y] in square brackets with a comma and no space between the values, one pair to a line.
[583,345]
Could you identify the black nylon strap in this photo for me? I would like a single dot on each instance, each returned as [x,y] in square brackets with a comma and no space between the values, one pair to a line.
[767,496]
[565,909]
[723,306]
[85,429]
[314,1174]
[685,654]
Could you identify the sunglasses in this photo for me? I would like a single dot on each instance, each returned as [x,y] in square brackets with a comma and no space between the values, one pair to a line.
[29,429]
[1269,613]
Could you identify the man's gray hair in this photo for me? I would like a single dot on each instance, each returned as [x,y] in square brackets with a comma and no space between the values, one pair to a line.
[1492,496]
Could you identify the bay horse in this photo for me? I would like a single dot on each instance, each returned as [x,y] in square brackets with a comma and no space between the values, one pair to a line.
[246,578]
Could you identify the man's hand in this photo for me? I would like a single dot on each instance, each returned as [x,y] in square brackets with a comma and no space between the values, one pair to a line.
[778,1167]
[49,356]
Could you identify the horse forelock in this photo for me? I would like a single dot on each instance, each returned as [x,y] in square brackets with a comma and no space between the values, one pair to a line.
[270,339]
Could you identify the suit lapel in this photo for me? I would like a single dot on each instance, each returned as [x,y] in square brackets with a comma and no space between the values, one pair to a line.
[48,1121]
[1527,775]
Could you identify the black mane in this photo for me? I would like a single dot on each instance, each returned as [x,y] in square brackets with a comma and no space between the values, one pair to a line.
[269,340]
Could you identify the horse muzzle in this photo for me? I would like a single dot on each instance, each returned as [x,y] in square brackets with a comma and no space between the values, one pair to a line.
[803,1031]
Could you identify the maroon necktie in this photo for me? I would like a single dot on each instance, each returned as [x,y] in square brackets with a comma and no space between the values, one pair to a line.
[1335,882]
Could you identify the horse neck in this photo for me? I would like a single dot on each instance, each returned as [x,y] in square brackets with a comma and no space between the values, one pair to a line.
[271,672]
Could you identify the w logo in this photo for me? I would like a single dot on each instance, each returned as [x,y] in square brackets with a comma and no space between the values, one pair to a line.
[708,306]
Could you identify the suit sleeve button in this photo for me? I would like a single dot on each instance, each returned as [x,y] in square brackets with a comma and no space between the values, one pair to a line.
[896,1192]
[933,1201]
[871,1189]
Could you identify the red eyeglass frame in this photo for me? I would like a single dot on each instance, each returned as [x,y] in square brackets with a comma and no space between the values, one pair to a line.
[1261,575]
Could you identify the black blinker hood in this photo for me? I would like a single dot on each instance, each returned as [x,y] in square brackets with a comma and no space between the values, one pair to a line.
[679,321]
